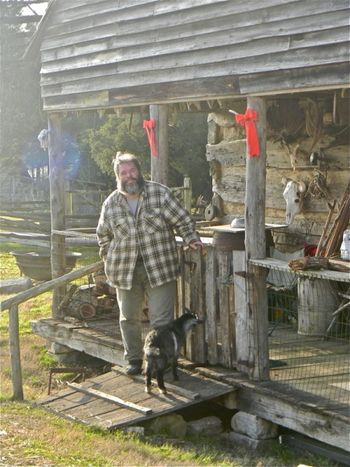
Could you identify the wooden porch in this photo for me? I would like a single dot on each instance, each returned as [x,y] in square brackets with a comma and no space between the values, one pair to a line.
[307,386]
[295,361]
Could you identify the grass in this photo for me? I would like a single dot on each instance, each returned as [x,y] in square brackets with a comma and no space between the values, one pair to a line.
[30,435]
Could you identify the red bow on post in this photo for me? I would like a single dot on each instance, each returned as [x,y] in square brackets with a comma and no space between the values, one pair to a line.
[248,121]
[149,126]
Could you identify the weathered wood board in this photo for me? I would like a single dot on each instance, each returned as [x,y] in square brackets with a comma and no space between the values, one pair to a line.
[106,414]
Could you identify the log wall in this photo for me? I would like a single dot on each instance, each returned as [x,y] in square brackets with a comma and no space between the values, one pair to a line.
[226,150]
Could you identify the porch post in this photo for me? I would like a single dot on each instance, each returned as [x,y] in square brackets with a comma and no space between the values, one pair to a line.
[254,359]
[57,209]
[159,164]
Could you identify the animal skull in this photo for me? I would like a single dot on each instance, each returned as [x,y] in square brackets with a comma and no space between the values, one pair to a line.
[293,193]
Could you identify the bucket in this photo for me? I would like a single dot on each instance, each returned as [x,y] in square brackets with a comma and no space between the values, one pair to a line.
[37,264]
[316,303]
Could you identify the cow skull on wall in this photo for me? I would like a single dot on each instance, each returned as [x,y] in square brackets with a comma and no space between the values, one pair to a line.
[293,193]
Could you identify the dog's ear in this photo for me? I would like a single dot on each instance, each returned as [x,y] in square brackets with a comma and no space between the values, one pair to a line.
[187,311]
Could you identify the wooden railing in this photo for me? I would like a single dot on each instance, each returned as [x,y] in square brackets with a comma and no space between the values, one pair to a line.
[11,304]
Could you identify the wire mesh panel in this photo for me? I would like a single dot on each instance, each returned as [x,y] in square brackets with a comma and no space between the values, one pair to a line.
[309,332]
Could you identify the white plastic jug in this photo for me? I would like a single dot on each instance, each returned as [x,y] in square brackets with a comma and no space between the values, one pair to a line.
[345,246]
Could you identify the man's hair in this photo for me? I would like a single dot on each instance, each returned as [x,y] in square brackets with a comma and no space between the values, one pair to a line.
[122,157]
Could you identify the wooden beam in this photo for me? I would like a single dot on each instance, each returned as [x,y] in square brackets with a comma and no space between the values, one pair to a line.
[256,360]
[159,164]
[77,337]
[16,371]
[57,195]
[178,91]
[110,398]
[292,414]
[285,408]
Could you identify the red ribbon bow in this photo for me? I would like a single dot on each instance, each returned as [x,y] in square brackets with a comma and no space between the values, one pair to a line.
[248,121]
[149,126]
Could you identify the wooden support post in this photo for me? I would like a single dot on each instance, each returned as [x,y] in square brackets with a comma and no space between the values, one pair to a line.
[255,361]
[159,164]
[197,337]
[211,305]
[241,322]
[16,371]
[225,286]
[57,206]
[187,193]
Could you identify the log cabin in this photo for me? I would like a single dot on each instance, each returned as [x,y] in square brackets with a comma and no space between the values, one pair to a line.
[287,60]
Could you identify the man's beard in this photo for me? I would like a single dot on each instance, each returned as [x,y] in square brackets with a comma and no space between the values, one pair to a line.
[134,187]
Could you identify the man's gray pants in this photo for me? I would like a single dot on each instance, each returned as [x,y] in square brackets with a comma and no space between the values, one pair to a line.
[161,302]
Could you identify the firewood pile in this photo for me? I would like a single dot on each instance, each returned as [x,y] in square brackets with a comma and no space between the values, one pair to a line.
[308,262]
[333,240]
[89,301]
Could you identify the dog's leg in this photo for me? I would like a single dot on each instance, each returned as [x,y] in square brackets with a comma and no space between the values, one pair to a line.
[174,369]
[160,381]
[148,378]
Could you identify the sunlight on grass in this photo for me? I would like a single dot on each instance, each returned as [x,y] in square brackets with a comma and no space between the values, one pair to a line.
[8,267]
[39,307]
[91,447]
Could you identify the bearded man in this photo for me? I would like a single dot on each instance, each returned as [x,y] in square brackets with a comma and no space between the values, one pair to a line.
[136,235]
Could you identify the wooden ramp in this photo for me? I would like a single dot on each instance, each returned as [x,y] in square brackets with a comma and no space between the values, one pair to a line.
[115,400]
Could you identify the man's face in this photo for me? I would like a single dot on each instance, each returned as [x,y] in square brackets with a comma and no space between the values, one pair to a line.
[129,177]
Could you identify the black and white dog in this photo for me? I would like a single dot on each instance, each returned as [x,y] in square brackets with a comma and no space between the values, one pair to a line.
[162,348]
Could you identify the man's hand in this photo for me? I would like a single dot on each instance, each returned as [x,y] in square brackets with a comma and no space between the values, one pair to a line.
[195,245]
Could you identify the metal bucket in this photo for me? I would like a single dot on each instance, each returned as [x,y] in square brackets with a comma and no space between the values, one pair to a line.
[37,265]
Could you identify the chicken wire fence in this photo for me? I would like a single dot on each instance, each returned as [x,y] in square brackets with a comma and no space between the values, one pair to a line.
[309,333]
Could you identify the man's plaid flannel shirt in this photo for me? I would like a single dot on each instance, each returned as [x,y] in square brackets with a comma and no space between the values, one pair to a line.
[123,237]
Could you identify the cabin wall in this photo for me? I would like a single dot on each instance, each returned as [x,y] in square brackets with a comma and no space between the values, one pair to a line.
[297,128]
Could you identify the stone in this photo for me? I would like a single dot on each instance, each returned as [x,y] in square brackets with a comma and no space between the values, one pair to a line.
[253,426]
[137,430]
[210,425]
[249,443]
[229,401]
[172,425]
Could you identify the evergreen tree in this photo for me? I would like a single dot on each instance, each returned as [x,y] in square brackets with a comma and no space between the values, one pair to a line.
[187,139]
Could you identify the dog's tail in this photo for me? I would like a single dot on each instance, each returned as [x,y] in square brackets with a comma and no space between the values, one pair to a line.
[152,352]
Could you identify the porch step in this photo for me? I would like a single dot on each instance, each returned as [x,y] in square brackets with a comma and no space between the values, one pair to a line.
[100,338]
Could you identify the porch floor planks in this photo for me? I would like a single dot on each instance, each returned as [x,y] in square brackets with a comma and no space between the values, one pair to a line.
[68,398]
[309,355]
